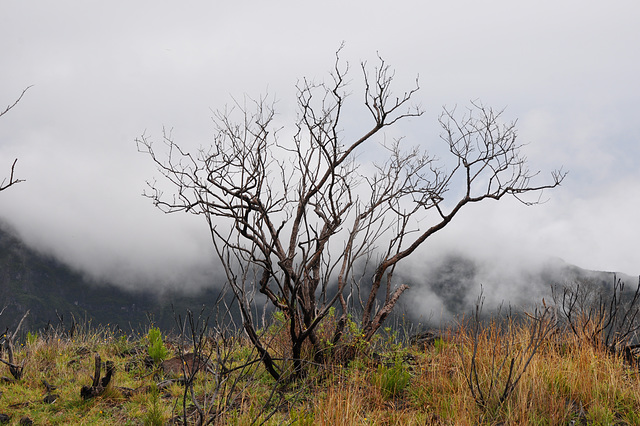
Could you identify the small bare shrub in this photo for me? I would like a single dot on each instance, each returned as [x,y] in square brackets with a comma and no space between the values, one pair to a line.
[495,356]
[607,320]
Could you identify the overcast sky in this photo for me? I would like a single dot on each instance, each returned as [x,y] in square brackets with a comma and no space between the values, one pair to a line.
[105,72]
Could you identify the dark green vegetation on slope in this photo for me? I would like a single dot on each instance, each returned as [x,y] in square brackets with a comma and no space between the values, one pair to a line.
[52,291]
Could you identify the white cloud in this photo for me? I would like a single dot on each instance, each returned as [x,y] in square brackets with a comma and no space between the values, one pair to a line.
[106,72]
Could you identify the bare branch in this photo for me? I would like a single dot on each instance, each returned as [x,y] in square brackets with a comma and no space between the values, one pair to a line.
[12,179]
[10,106]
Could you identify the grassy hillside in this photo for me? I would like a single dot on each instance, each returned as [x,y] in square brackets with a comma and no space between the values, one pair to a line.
[453,377]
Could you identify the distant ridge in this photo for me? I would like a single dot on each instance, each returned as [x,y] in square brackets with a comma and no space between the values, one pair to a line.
[450,286]
[53,291]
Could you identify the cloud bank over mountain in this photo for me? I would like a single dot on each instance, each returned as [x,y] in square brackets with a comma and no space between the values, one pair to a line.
[103,74]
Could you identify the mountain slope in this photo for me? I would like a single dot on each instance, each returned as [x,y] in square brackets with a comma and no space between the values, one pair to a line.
[53,292]
[447,287]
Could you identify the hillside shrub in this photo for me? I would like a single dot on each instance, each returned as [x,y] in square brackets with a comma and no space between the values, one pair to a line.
[393,380]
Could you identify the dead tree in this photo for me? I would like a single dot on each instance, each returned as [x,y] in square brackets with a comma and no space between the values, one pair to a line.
[496,361]
[9,342]
[98,385]
[12,179]
[603,319]
[301,220]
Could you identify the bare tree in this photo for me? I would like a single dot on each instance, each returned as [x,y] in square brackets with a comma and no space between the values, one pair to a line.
[9,343]
[300,220]
[604,319]
[12,179]
[493,360]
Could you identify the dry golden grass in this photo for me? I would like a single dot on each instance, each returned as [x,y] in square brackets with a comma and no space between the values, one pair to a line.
[566,381]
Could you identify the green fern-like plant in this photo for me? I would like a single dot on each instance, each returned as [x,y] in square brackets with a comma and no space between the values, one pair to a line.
[157,351]
[154,415]
[393,380]
[32,338]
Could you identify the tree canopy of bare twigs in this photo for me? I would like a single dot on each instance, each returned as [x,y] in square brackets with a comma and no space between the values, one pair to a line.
[300,220]
[12,179]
